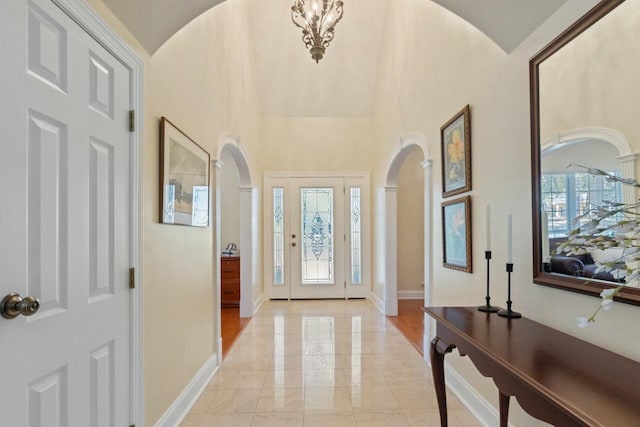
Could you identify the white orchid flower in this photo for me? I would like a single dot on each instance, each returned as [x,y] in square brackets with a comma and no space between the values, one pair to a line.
[583,322]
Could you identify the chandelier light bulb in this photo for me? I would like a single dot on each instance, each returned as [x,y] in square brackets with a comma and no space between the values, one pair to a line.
[318,24]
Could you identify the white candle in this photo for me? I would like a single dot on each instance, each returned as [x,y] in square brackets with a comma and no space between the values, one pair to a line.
[509,241]
[488,229]
[545,236]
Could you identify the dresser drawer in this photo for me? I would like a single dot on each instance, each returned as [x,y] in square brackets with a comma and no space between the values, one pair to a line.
[230,291]
[230,281]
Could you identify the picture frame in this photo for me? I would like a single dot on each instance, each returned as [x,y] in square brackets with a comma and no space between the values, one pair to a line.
[455,140]
[184,178]
[456,234]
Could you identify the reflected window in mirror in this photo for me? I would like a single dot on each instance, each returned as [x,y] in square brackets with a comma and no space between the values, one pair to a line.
[584,106]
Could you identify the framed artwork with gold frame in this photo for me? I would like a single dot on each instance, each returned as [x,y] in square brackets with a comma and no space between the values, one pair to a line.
[455,137]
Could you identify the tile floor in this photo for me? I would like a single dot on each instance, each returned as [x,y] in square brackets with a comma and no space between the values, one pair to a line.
[326,364]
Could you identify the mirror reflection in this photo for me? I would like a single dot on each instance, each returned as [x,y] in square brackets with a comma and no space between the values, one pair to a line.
[588,115]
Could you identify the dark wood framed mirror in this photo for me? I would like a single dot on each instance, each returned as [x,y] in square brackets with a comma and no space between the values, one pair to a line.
[585,99]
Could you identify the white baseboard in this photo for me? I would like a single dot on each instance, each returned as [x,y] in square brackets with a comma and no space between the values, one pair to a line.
[411,294]
[257,303]
[375,299]
[486,414]
[181,406]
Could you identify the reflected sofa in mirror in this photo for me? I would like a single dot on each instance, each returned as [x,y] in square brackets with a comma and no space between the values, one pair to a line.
[585,103]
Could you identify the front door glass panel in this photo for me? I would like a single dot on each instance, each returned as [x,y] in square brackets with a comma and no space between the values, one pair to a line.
[317,235]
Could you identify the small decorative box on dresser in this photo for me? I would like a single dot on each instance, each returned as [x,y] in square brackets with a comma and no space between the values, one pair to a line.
[230,275]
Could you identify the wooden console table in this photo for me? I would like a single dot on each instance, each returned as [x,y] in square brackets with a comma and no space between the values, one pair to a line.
[555,377]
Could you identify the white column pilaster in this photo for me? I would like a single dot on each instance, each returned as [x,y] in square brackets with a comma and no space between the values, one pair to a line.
[427,166]
[246,251]
[391,261]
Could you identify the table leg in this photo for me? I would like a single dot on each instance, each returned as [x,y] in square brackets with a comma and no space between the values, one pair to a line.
[437,352]
[504,410]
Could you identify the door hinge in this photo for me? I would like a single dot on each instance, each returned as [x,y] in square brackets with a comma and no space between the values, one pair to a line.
[132,425]
[132,278]
[345,237]
[345,284]
[132,120]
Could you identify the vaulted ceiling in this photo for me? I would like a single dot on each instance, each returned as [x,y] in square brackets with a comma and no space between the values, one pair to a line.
[344,82]
[507,22]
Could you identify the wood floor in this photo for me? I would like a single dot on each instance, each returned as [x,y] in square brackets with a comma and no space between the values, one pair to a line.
[231,327]
[410,321]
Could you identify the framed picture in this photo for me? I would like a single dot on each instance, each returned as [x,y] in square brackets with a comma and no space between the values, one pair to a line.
[184,178]
[455,137]
[456,234]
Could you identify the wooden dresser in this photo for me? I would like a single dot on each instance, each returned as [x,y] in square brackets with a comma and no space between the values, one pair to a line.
[230,275]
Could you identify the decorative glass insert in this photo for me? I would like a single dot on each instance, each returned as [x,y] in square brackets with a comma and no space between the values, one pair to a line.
[278,236]
[356,237]
[317,235]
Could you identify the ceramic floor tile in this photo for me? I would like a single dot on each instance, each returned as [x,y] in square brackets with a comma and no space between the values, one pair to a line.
[373,399]
[421,418]
[327,399]
[278,419]
[381,419]
[325,364]
[463,418]
[242,401]
[281,400]
[324,378]
[226,420]
[203,402]
[238,379]
[329,420]
[191,420]
[284,378]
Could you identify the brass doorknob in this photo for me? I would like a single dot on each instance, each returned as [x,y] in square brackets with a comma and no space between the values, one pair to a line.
[13,305]
[293,244]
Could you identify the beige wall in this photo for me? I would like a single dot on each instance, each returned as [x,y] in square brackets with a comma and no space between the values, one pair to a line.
[423,84]
[317,143]
[411,223]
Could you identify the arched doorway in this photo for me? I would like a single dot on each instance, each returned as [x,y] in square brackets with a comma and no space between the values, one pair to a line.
[408,144]
[230,150]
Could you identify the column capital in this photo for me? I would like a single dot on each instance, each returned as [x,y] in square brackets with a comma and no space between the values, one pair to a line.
[427,164]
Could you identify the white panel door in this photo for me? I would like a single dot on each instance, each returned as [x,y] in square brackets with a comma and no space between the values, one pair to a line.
[317,238]
[64,222]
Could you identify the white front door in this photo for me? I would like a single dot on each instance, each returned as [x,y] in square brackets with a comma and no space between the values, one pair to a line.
[64,222]
[317,236]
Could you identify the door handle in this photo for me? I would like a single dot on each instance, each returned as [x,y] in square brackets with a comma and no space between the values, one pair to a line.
[13,305]
[293,244]
[293,236]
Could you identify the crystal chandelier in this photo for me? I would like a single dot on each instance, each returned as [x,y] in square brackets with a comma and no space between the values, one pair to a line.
[318,20]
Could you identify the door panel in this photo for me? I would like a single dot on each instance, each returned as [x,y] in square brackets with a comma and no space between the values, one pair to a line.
[64,221]
[317,222]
